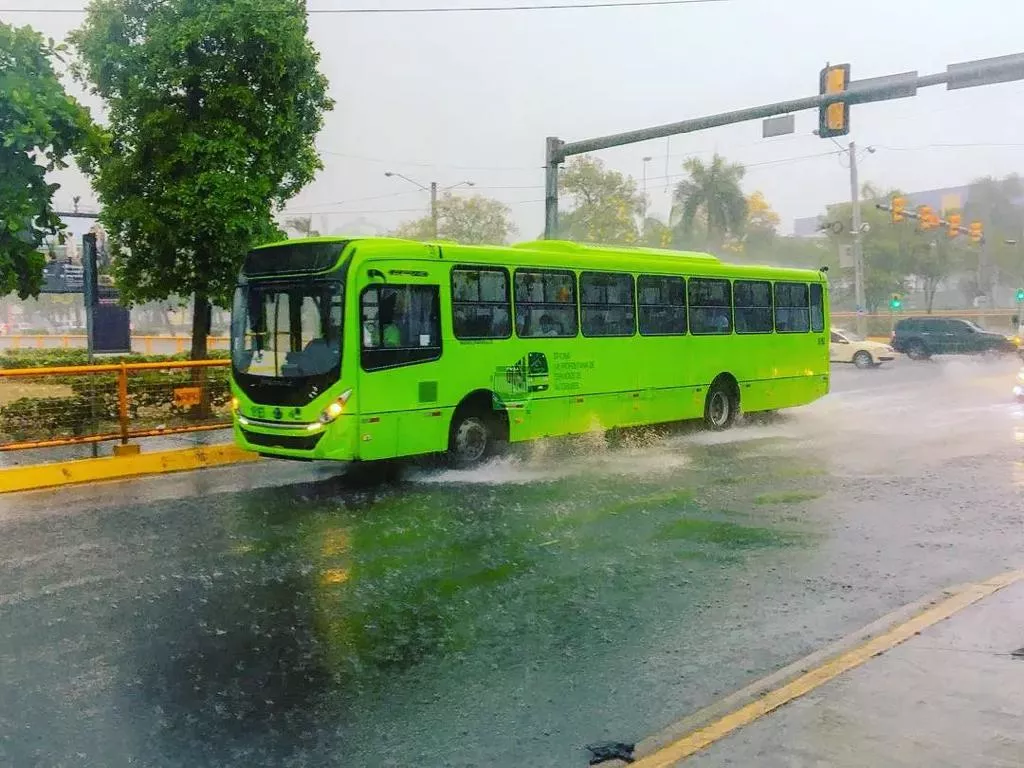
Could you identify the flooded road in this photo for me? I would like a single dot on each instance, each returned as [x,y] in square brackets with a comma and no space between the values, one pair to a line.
[572,592]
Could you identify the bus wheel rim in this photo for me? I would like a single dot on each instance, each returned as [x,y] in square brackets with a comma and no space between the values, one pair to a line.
[471,440]
[719,409]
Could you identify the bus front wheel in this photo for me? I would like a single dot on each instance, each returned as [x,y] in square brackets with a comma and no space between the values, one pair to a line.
[720,407]
[472,439]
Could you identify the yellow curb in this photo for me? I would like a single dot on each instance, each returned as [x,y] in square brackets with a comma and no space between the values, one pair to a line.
[117,467]
[701,738]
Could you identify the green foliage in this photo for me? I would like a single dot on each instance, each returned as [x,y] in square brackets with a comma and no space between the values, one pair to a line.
[41,126]
[52,358]
[213,106]
[606,204]
[711,197]
[472,220]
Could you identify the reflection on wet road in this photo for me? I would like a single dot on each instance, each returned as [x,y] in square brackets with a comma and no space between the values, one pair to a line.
[575,591]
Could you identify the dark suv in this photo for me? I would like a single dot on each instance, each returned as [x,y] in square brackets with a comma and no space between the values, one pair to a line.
[921,337]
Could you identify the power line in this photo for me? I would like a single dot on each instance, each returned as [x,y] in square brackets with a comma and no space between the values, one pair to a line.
[450,9]
[973,145]
[423,164]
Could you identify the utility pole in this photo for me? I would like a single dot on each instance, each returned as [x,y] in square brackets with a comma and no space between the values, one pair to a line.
[432,189]
[433,209]
[858,246]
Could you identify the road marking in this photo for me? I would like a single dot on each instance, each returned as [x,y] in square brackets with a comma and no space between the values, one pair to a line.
[703,737]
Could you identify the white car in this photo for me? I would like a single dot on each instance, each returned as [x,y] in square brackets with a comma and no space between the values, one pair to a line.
[846,347]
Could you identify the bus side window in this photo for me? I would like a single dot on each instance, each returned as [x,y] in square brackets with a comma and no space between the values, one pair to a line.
[606,304]
[817,308]
[710,306]
[662,305]
[753,306]
[481,304]
[545,303]
[401,325]
[792,308]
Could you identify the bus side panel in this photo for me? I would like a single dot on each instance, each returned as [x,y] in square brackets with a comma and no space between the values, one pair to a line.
[424,431]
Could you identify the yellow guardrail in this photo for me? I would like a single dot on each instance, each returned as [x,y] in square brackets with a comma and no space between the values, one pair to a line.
[75,405]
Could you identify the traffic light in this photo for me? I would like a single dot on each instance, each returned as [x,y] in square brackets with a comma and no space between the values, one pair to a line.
[899,205]
[925,217]
[895,302]
[834,119]
[953,224]
[1020,295]
[975,232]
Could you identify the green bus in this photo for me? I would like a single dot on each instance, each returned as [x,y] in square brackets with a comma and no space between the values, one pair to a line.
[376,348]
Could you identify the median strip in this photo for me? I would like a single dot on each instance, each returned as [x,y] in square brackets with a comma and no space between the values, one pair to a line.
[57,474]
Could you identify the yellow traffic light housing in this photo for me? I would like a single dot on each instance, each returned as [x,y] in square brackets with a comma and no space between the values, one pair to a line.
[953,224]
[834,119]
[925,217]
[975,232]
[899,205]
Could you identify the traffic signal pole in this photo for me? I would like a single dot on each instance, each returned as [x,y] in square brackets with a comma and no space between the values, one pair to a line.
[858,244]
[965,75]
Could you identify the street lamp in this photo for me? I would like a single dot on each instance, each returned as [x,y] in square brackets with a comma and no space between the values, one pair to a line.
[432,189]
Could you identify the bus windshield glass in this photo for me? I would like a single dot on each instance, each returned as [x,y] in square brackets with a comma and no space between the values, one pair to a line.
[287,330]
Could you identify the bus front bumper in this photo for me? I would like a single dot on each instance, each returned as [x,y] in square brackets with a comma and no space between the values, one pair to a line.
[336,441]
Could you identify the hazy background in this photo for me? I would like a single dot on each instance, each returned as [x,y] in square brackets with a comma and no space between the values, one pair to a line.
[471,96]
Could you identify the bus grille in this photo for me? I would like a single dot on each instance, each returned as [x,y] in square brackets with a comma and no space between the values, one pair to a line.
[294,442]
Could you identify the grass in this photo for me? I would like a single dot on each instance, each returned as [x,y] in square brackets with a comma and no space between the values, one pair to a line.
[730,535]
[15,389]
[787,497]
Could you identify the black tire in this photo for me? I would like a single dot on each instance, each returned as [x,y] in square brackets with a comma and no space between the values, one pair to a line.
[720,407]
[916,350]
[472,438]
[863,359]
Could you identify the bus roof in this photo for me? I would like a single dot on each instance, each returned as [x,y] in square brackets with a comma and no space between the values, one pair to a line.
[560,253]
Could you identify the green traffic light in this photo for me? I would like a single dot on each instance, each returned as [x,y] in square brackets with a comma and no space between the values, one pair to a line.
[1020,294]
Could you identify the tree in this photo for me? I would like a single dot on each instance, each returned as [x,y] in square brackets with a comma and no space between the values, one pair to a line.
[302,225]
[933,262]
[606,204]
[41,128]
[472,220]
[712,195]
[213,108]
[886,248]
[762,224]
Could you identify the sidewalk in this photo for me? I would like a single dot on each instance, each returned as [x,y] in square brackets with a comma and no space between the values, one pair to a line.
[952,695]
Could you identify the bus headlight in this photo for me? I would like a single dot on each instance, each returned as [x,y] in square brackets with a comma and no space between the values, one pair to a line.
[335,409]
[234,404]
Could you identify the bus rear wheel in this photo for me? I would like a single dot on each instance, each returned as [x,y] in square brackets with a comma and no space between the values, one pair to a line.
[720,407]
[472,439]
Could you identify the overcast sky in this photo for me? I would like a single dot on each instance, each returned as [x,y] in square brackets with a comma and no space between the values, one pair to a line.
[471,96]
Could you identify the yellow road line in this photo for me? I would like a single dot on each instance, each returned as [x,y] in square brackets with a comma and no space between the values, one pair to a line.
[116,467]
[702,738]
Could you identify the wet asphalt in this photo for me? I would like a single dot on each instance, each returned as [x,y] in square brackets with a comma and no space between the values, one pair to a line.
[573,592]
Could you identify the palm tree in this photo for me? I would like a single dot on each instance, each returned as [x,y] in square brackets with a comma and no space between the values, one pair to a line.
[712,195]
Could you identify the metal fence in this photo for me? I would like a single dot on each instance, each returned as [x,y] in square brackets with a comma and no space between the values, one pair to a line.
[75,405]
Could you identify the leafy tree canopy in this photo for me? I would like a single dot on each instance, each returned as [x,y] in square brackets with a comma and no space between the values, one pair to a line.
[213,108]
[606,204]
[472,220]
[41,127]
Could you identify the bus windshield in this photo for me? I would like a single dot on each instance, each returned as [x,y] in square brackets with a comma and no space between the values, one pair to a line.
[286,329]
